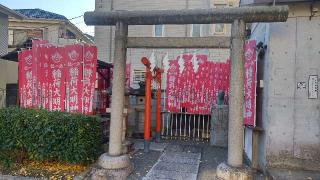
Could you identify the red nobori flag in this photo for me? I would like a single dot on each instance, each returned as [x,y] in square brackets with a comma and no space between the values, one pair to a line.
[36,69]
[56,80]
[249,83]
[89,77]
[74,76]
[26,78]
[171,86]
[43,75]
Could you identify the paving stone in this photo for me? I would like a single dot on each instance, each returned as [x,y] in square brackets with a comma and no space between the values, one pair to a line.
[160,174]
[178,162]
[178,167]
[153,146]
[175,155]
[183,148]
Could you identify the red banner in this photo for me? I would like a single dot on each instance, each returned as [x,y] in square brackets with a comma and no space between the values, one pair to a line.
[73,78]
[43,75]
[56,80]
[89,78]
[249,83]
[194,87]
[26,78]
[36,68]
[172,81]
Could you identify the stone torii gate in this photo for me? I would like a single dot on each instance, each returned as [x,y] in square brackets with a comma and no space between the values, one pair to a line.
[114,160]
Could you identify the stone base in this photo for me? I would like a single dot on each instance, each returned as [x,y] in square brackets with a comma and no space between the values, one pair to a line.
[226,172]
[98,173]
[113,162]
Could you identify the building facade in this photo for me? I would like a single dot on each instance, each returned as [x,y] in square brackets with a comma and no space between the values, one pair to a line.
[287,94]
[104,36]
[6,80]
[44,25]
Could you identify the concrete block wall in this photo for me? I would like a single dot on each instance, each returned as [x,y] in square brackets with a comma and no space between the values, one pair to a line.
[290,118]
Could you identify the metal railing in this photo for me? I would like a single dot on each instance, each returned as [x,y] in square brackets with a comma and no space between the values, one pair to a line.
[183,125]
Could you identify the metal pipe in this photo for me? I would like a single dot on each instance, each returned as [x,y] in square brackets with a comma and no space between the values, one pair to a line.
[147,108]
[157,78]
[117,104]
[190,16]
[179,42]
[235,131]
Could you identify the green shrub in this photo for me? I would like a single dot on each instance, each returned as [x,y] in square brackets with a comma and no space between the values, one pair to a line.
[50,136]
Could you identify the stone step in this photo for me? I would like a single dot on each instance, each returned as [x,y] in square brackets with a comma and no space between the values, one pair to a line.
[176,163]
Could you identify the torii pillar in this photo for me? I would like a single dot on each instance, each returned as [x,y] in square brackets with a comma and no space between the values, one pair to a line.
[115,162]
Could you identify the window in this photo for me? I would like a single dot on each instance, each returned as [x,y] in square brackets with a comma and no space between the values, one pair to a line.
[19,36]
[139,75]
[158,30]
[196,30]
[70,35]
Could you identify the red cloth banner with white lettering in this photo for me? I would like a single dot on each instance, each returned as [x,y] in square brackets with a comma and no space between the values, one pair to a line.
[73,78]
[58,78]
[89,78]
[43,74]
[35,72]
[57,57]
[249,83]
[193,82]
[172,81]
[25,78]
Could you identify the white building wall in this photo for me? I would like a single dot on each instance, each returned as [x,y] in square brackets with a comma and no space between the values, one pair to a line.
[290,118]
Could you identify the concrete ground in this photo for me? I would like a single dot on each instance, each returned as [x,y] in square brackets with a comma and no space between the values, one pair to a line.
[211,157]
[187,151]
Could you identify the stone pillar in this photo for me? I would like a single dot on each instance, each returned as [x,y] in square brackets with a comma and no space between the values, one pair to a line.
[234,169]
[118,89]
[235,138]
[114,163]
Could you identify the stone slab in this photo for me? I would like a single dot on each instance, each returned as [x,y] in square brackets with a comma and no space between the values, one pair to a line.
[178,162]
[184,148]
[153,146]
[178,167]
[173,175]
[181,155]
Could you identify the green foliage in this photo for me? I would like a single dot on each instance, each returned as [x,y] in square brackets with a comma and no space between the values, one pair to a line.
[49,136]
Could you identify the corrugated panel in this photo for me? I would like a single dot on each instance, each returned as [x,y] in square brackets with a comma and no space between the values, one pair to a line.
[3,34]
